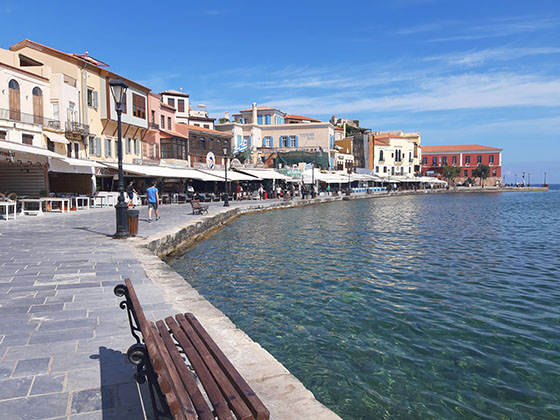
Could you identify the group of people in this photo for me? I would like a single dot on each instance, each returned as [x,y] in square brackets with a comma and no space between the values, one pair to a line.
[152,198]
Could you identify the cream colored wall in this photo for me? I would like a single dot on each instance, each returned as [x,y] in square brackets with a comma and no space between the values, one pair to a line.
[405,146]
[309,134]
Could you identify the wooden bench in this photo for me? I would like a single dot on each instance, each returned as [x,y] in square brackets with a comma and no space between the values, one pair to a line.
[185,369]
[198,208]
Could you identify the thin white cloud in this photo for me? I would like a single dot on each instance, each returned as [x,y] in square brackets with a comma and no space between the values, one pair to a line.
[500,28]
[469,91]
[475,58]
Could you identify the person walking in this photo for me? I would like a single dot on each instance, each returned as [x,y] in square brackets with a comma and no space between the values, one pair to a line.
[130,191]
[153,200]
[303,191]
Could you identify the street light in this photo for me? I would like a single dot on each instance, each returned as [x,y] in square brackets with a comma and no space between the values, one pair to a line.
[226,198]
[348,190]
[118,90]
[529,179]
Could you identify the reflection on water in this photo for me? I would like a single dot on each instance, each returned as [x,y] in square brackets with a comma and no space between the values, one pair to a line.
[410,307]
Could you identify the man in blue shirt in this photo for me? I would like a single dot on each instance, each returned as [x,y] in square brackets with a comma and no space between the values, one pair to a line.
[153,200]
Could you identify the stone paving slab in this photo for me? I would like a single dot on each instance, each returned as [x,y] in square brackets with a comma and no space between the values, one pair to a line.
[63,336]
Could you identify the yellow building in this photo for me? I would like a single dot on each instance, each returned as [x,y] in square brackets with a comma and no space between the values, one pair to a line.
[82,102]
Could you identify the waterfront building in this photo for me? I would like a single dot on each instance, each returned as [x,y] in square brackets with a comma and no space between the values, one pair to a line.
[184,114]
[203,140]
[28,134]
[266,131]
[465,156]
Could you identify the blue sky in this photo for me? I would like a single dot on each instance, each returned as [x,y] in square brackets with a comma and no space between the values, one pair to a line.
[484,72]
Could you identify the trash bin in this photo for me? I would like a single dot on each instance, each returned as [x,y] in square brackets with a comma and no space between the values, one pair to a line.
[133,221]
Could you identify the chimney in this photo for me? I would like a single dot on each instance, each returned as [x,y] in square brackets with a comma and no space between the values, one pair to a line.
[226,115]
[254,117]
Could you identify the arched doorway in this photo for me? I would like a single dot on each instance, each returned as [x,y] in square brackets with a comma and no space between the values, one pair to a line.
[37,106]
[15,109]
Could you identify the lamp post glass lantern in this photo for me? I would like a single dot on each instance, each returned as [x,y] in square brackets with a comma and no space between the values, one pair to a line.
[226,197]
[118,90]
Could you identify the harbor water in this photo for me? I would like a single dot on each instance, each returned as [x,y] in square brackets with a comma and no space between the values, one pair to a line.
[433,306]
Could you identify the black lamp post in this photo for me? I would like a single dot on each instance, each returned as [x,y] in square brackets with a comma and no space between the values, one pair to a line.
[529,179]
[118,90]
[226,197]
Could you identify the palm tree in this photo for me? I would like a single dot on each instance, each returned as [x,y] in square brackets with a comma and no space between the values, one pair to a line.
[482,172]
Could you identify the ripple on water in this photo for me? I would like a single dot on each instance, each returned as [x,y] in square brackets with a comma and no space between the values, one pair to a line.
[411,307]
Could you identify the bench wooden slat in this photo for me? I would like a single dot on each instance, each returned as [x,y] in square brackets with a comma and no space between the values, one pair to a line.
[212,390]
[253,401]
[200,405]
[166,365]
[163,377]
[236,401]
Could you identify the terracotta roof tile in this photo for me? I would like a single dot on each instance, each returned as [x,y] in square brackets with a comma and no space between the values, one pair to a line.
[300,117]
[185,128]
[459,148]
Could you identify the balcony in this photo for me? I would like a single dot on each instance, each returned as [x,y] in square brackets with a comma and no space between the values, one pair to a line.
[153,126]
[77,128]
[18,116]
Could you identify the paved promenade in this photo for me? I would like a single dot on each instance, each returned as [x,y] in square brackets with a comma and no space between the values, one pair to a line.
[62,335]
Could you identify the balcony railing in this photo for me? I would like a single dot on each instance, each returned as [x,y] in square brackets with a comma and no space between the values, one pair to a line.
[153,126]
[18,116]
[77,128]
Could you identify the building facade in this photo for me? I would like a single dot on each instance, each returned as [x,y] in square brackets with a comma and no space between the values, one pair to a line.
[467,157]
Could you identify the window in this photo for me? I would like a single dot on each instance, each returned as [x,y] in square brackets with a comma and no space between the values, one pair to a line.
[381,157]
[247,140]
[202,143]
[50,145]
[267,141]
[377,169]
[92,99]
[454,160]
[153,116]
[171,102]
[37,105]
[3,135]
[259,119]
[27,139]
[293,141]
[15,111]
[479,159]
[136,146]
[91,145]
[282,141]
[181,105]
[444,160]
[138,106]
[162,122]
[267,119]
[384,169]
[98,146]
[129,146]
[494,172]
[424,160]
[467,160]
[108,147]
[123,105]
[410,156]
[55,112]
[491,159]
[434,161]
[206,126]
[169,123]
[466,173]
[409,169]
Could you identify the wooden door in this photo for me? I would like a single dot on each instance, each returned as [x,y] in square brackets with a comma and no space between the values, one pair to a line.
[37,106]
[15,110]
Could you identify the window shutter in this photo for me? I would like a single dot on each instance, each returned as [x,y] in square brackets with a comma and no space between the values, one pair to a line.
[95,101]
[297,141]
[98,146]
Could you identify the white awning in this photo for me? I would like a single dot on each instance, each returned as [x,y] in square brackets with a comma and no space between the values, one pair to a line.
[164,172]
[57,138]
[232,175]
[264,174]
[309,176]
[25,148]
[72,166]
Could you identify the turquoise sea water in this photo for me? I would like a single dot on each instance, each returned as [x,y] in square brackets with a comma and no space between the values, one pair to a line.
[432,307]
